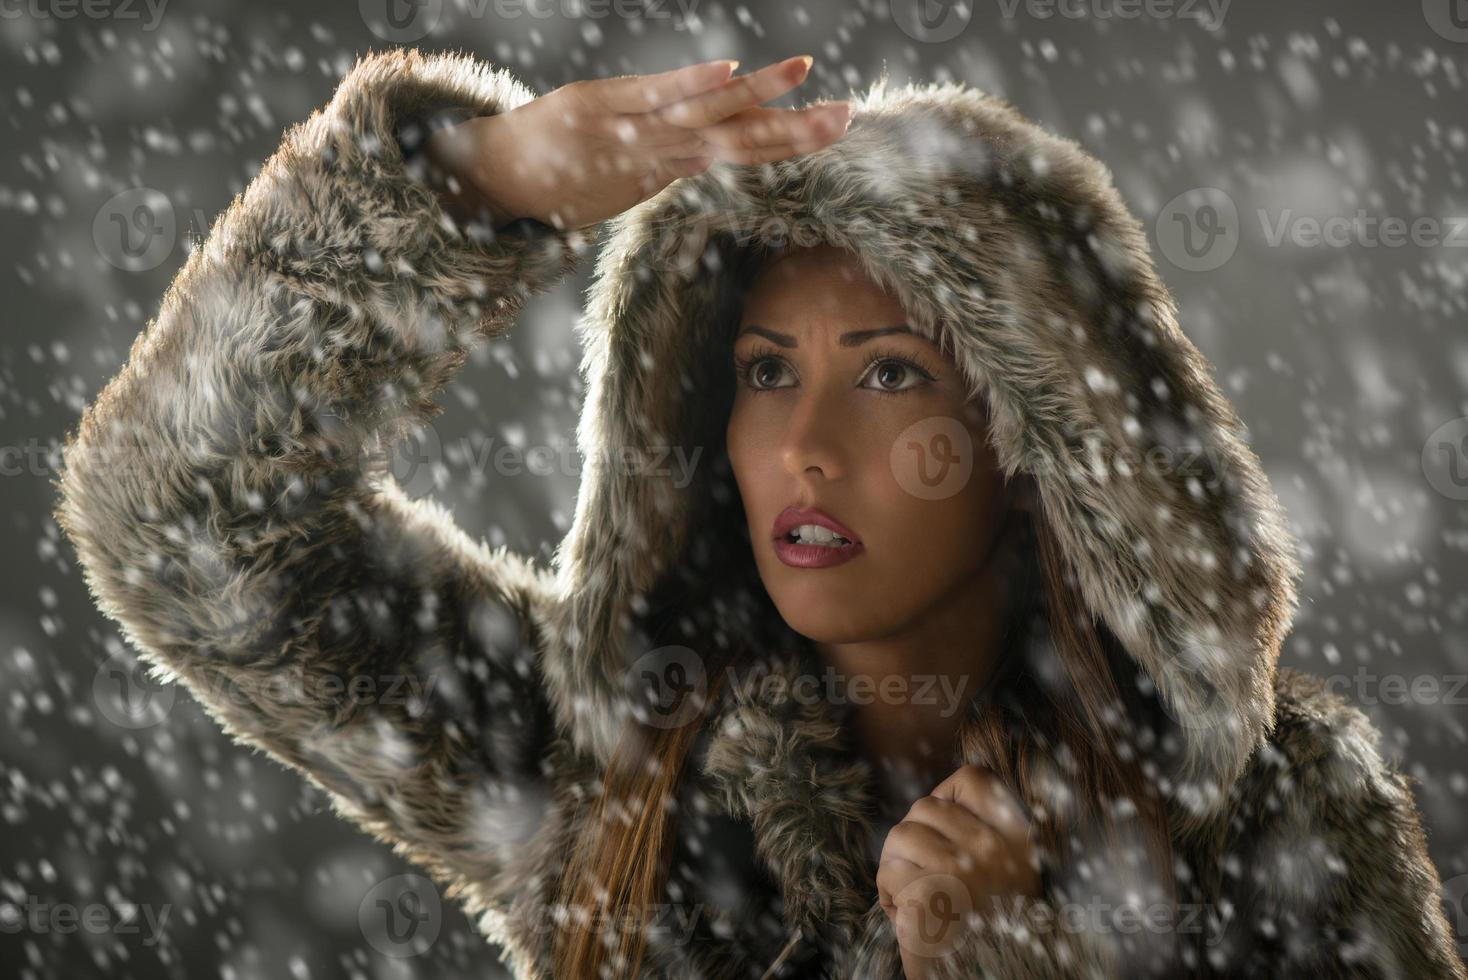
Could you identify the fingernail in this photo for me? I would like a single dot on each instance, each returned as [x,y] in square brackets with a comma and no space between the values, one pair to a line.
[808,60]
[733,63]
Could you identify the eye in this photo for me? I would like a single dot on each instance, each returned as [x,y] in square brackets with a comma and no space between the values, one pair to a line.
[895,374]
[761,370]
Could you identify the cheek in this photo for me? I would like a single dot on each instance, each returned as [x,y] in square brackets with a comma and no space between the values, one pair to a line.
[932,521]
[747,455]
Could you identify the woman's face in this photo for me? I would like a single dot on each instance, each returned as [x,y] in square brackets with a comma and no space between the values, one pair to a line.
[835,410]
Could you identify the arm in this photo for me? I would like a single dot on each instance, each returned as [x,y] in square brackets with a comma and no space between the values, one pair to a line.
[226,492]
[214,493]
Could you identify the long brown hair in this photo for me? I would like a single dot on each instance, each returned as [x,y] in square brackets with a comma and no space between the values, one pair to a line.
[1068,721]
[1078,723]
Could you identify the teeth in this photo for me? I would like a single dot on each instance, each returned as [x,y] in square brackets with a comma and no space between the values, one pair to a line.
[816,534]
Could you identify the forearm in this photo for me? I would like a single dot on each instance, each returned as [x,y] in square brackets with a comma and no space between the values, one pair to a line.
[226,492]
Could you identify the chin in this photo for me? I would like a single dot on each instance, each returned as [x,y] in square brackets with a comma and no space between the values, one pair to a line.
[822,612]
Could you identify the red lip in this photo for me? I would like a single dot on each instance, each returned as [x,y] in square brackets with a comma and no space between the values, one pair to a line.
[813,555]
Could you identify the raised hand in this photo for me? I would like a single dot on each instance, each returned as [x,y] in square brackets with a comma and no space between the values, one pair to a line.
[592,149]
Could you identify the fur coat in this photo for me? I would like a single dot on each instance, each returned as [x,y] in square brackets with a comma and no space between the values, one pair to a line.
[226,498]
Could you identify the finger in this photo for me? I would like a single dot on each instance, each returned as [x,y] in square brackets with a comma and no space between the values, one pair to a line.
[644,93]
[985,795]
[739,93]
[893,875]
[761,126]
[667,171]
[649,133]
[977,843]
[951,820]
[918,842]
[764,154]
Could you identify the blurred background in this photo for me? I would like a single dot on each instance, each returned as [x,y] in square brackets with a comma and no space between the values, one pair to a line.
[1298,165]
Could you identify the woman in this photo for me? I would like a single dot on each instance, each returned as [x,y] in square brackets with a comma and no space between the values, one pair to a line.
[955,657]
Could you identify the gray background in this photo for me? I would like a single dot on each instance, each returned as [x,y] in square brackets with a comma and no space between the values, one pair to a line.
[1345,359]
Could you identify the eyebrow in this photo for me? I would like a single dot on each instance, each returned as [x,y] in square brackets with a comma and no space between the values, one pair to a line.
[849,339]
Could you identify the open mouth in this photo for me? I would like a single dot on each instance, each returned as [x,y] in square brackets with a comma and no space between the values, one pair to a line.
[815,534]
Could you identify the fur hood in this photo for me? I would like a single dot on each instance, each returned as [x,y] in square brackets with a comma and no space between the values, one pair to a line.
[334,300]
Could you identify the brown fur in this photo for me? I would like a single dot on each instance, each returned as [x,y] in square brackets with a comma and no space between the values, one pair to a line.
[214,499]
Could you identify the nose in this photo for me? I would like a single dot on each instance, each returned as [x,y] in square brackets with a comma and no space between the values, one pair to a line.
[813,436]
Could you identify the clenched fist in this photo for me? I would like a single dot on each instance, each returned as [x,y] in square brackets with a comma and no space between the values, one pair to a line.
[959,849]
